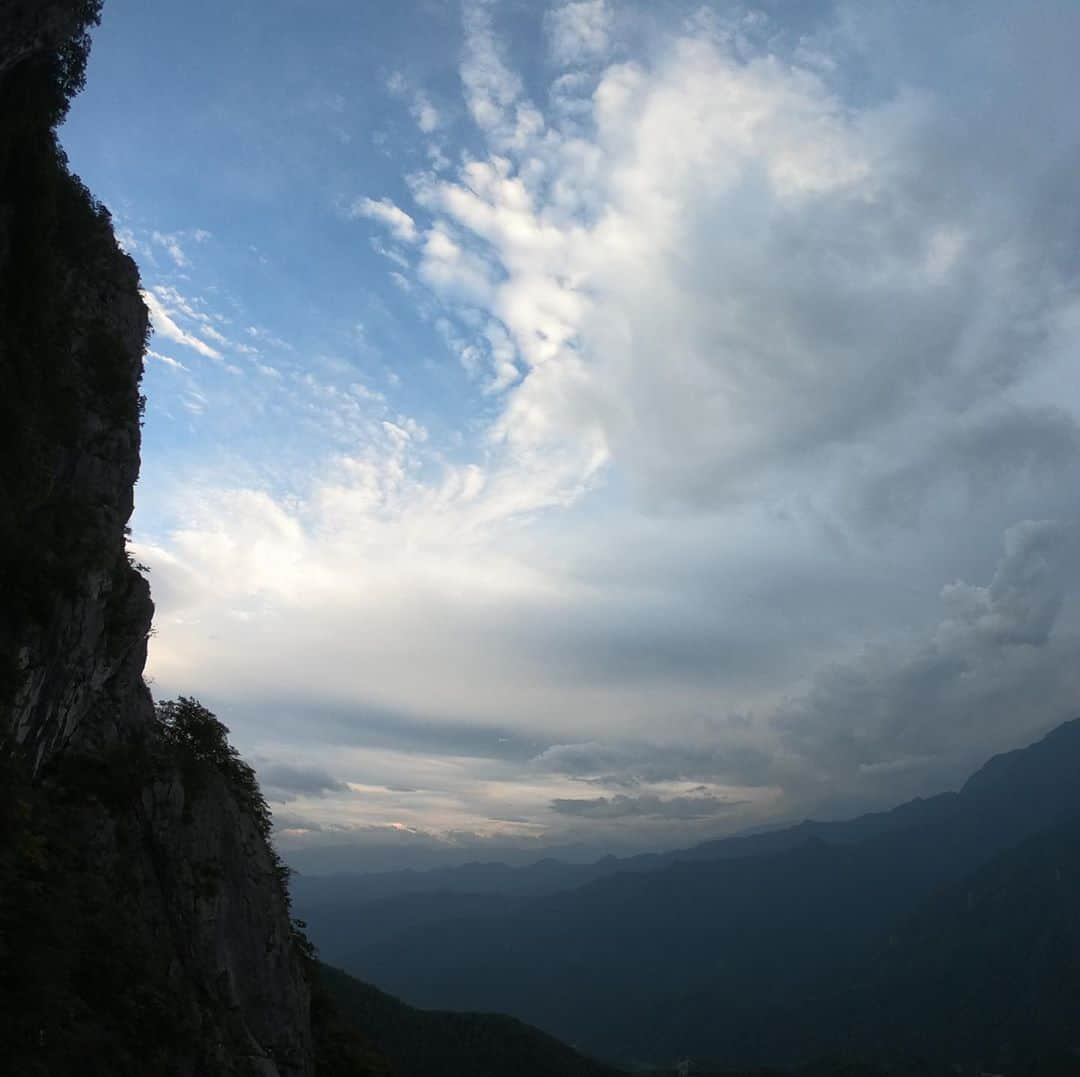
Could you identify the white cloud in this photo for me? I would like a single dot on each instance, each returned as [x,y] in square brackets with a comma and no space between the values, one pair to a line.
[171,243]
[211,333]
[193,401]
[814,336]
[425,114]
[163,323]
[175,364]
[579,31]
[493,91]
[708,284]
[265,337]
[401,225]
[129,242]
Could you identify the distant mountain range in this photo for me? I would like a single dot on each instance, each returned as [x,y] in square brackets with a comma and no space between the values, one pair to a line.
[945,929]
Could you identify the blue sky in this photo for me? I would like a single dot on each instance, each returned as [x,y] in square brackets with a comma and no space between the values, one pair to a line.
[598,425]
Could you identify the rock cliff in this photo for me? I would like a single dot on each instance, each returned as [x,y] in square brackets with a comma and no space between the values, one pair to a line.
[144,921]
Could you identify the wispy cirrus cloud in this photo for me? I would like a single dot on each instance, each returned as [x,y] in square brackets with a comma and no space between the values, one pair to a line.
[401,225]
[163,322]
[753,409]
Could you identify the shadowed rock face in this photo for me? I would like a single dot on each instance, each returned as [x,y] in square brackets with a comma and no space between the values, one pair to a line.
[34,27]
[71,344]
[144,927]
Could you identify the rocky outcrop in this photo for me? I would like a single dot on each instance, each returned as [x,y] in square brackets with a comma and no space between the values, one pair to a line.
[35,27]
[144,922]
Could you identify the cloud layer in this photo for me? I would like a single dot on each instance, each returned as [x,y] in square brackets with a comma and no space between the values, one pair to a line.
[763,501]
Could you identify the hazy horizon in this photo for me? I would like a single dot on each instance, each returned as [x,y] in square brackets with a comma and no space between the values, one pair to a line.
[600,426]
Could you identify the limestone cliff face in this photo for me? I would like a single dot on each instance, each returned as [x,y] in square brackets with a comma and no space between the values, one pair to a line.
[144,926]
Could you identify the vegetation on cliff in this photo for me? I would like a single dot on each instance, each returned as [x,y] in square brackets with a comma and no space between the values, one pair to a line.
[85,985]
[144,921]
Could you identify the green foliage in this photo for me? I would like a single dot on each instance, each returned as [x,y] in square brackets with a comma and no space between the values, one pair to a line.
[69,64]
[196,740]
[199,739]
[57,75]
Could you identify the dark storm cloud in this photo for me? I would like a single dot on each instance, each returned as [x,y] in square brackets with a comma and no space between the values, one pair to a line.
[362,726]
[631,764]
[621,806]
[282,782]
[1019,454]
[997,670]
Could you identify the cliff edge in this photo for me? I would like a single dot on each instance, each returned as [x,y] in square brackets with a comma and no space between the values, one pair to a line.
[144,920]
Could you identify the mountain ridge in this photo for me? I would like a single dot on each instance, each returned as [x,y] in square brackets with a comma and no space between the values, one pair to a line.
[801,909]
[549,874]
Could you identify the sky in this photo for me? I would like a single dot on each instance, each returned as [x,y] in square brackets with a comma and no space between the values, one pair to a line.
[600,426]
